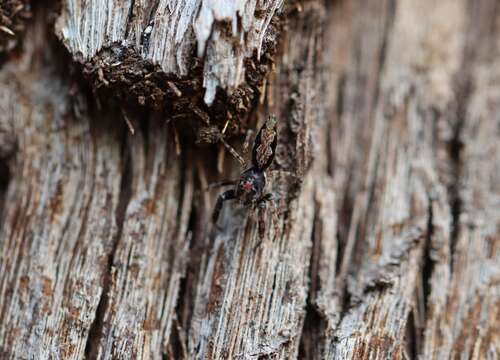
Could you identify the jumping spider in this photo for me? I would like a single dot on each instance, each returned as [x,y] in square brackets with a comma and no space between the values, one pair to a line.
[249,189]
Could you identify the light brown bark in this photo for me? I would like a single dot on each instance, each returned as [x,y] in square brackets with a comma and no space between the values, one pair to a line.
[385,239]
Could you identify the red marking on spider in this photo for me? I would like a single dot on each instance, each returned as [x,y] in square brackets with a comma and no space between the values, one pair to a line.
[247,186]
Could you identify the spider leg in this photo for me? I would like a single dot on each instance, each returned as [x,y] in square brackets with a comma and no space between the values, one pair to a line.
[262,206]
[284,173]
[232,151]
[227,195]
[246,143]
[265,198]
[262,222]
[219,184]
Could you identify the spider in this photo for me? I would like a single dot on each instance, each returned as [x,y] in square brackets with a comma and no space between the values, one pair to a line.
[249,189]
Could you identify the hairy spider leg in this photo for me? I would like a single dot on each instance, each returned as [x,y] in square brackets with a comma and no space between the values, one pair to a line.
[261,203]
[232,151]
[284,173]
[220,183]
[265,198]
[227,195]
[246,143]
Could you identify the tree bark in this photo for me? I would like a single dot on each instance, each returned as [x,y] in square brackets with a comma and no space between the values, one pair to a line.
[13,15]
[384,239]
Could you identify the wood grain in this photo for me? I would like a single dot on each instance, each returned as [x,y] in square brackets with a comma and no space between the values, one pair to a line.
[383,239]
[58,224]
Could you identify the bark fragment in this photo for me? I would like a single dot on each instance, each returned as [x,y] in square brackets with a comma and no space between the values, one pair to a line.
[13,15]
[216,54]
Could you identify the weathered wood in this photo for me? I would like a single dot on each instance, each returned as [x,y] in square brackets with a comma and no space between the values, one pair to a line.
[464,303]
[384,242]
[355,39]
[128,281]
[150,256]
[58,225]
[251,294]
[391,213]
[408,169]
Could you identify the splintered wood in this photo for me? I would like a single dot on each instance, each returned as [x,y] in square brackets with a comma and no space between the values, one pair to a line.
[404,225]
[58,228]
[252,291]
[169,33]
[13,17]
[384,238]
[150,258]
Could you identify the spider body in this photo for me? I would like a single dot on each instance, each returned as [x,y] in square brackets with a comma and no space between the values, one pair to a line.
[249,189]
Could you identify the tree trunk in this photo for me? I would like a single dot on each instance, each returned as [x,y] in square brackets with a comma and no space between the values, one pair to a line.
[383,241]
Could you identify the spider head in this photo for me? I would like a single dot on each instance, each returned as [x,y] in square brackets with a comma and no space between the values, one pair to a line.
[250,186]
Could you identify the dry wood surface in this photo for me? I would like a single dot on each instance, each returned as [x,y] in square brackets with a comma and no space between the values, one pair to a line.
[384,238]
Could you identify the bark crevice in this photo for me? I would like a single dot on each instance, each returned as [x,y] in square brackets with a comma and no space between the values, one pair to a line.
[96,328]
[315,321]
[424,289]
[462,95]
[5,178]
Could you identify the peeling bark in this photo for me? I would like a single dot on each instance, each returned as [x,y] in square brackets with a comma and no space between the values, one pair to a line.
[13,15]
[167,34]
[182,56]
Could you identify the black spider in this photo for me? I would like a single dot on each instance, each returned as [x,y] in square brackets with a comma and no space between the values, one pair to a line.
[249,189]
